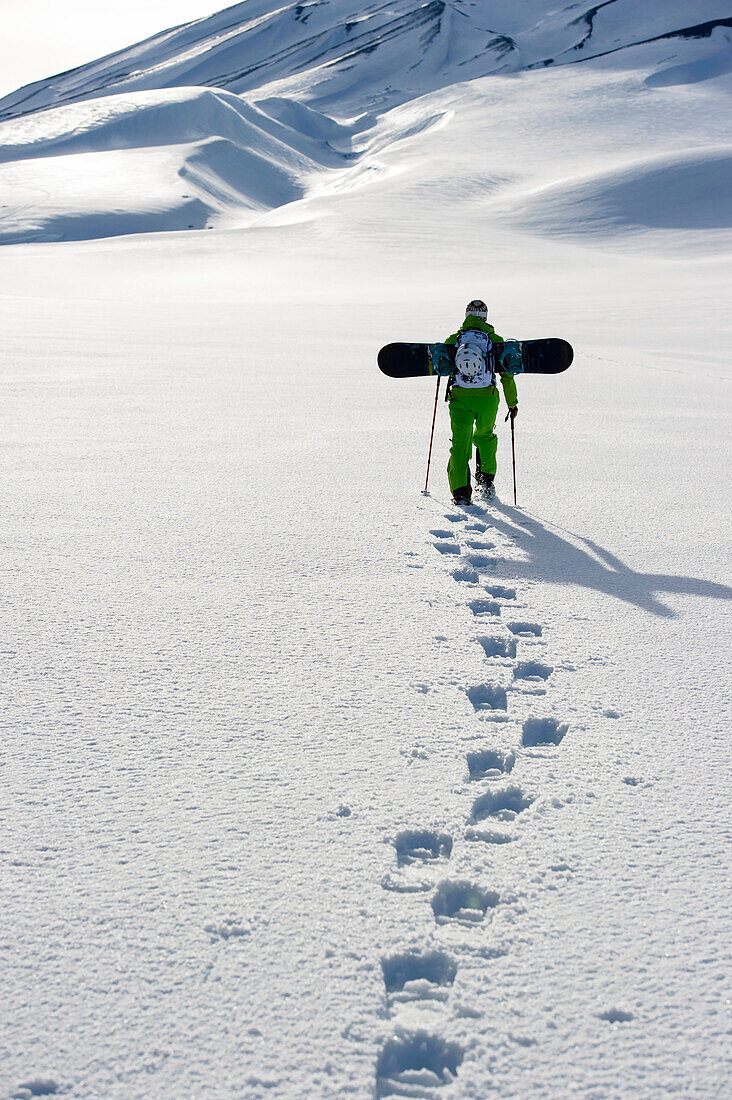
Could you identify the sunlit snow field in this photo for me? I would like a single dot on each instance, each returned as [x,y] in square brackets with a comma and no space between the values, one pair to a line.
[275,818]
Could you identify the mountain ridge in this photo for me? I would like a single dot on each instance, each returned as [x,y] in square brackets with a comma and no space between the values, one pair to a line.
[314,46]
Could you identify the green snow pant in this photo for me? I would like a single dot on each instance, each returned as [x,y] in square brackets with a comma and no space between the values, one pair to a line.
[473,417]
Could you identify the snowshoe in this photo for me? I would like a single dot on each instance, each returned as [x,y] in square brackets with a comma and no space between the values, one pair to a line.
[462,496]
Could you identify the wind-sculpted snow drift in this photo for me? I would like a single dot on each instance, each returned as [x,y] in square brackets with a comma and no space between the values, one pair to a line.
[696,187]
[158,160]
[234,115]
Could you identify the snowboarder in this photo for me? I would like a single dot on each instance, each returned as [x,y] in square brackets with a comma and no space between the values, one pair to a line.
[473,397]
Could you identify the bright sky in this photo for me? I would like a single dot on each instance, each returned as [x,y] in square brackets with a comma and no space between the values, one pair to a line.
[43,37]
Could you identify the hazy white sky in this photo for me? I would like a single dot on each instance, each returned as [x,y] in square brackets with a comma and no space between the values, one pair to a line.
[39,38]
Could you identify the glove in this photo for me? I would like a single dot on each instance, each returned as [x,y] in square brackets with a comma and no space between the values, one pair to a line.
[512,414]
[441,360]
[510,358]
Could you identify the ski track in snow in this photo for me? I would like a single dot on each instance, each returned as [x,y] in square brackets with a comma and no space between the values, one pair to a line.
[419,1062]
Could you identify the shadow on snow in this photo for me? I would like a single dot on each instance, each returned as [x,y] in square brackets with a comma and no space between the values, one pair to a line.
[557,560]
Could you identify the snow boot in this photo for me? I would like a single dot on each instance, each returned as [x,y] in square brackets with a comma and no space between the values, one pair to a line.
[485,482]
[462,496]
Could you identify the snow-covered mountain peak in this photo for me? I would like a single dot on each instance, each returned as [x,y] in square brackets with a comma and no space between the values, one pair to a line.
[345,58]
[229,117]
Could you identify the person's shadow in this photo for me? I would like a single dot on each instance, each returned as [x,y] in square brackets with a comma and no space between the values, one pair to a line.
[549,557]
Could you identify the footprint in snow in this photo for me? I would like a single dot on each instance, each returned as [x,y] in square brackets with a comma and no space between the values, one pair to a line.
[465,574]
[463,902]
[498,647]
[480,544]
[532,670]
[487,697]
[489,763]
[38,1086]
[227,929]
[418,976]
[479,561]
[503,805]
[447,547]
[616,1016]
[416,1064]
[422,846]
[525,630]
[484,607]
[500,592]
[542,731]
[441,533]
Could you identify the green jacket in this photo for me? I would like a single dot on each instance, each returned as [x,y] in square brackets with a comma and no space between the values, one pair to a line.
[508,382]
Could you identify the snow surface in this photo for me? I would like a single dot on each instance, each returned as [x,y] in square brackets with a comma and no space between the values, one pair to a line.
[314,786]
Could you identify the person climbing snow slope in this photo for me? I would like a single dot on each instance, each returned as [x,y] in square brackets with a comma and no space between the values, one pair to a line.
[473,401]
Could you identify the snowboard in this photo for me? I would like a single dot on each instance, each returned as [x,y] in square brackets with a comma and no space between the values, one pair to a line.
[414,360]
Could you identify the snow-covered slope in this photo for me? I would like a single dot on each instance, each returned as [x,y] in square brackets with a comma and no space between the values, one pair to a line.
[158,160]
[319,83]
[313,786]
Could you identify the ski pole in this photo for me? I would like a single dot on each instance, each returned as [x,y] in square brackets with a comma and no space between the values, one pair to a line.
[432,434]
[513,453]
